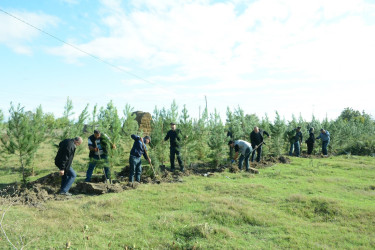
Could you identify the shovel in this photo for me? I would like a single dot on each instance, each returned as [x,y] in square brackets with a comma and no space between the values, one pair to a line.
[144,148]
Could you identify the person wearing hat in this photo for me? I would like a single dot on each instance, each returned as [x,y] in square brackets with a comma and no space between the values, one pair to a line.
[98,146]
[244,148]
[326,138]
[310,141]
[139,148]
[174,136]
[295,141]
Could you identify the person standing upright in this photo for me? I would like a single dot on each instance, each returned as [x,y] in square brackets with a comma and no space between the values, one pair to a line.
[326,138]
[63,161]
[98,144]
[310,141]
[174,136]
[295,141]
[256,138]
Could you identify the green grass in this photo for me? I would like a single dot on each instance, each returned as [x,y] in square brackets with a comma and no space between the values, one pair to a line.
[319,203]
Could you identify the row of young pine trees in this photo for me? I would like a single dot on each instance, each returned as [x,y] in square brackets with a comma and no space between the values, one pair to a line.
[204,138]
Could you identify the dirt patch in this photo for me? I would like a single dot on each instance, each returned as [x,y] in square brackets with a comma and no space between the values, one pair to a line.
[38,192]
[34,193]
[270,161]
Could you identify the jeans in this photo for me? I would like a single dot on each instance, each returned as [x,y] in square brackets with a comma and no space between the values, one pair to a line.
[93,162]
[135,167]
[67,180]
[175,151]
[296,147]
[246,158]
[259,154]
[324,147]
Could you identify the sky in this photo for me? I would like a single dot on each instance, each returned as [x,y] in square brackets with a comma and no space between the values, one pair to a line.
[292,56]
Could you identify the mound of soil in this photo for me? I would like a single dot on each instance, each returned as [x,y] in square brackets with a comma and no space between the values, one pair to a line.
[270,161]
[46,188]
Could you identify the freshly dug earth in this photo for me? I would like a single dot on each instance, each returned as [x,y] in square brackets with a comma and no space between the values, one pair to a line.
[46,188]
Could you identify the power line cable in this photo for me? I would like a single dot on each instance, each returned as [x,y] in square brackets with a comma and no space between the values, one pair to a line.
[82,51]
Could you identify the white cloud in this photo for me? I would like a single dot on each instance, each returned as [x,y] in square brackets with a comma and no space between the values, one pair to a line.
[279,50]
[16,34]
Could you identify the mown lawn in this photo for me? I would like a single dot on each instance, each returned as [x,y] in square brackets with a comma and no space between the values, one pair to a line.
[310,203]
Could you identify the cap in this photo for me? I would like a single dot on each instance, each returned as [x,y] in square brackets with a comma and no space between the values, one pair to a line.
[172,123]
[147,137]
[96,131]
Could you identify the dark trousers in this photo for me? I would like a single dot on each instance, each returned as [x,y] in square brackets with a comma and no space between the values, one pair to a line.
[67,180]
[324,147]
[259,154]
[135,168]
[310,147]
[175,151]
[93,162]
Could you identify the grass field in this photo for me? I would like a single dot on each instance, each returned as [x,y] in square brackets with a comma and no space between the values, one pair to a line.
[311,203]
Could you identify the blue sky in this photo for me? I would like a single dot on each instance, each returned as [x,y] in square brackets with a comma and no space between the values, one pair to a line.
[296,57]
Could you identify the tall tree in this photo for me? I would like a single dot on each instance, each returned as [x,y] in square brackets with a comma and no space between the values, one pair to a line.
[217,139]
[24,134]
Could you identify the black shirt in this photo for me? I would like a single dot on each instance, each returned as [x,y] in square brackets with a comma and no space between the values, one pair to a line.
[65,154]
[174,137]
[257,138]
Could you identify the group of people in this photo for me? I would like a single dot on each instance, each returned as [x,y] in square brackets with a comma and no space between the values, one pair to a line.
[296,138]
[247,150]
[98,145]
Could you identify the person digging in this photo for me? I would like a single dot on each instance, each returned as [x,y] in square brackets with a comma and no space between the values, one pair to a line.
[139,148]
[244,148]
[63,161]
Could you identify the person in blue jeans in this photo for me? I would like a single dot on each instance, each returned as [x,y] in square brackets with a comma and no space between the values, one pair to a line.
[63,161]
[244,148]
[326,138]
[98,145]
[139,148]
[295,141]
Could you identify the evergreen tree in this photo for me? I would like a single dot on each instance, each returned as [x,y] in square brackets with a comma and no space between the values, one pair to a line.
[110,126]
[158,131]
[24,134]
[201,135]
[217,139]
[187,140]
[130,125]
[278,129]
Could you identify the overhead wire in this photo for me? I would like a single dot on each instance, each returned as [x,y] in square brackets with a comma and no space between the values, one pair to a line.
[82,51]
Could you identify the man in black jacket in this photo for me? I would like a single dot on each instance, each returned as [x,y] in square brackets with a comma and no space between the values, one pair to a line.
[256,138]
[310,141]
[63,161]
[174,136]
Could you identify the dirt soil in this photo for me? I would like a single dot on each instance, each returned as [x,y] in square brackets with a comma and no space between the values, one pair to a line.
[36,193]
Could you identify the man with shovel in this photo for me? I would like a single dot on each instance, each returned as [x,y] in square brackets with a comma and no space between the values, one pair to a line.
[98,145]
[138,149]
[63,161]
[244,148]
[256,138]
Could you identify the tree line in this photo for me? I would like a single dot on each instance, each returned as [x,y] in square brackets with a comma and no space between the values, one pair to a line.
[205,138]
